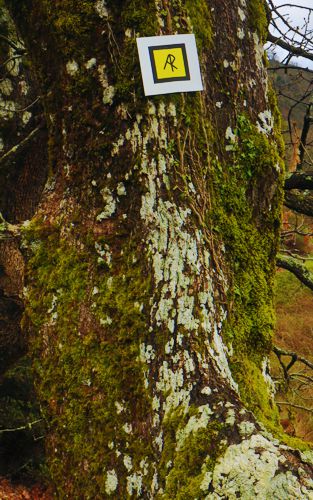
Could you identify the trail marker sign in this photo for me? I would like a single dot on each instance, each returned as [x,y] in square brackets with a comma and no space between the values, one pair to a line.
[169,64]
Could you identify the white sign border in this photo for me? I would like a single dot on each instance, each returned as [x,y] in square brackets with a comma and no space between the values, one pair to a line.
[152,88]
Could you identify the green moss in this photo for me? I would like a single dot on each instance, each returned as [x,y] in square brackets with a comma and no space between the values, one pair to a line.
[254,391]
[249,231]
[258,18]
[250,245]
[87,362]
[183,468]
[141,20]
[200,15]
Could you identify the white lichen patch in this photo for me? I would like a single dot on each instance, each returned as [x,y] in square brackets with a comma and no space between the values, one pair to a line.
[265,123]
[101,8]
[110,204]
[108,90]
[240,33]
[246,428]
[134,484]
[111,482]
[230,418]
[108,95]
[119,407]
[128,462]
[159,441]
[178,259]
[26,116]
[218,352]
[117,145]
[72,67]
[207,391]
[6,87]
[230,135]
[7,109]
[258,50]
[106,321]
[241,14]
[128,428]
[91,63]
[147,353]
[266,375]
[121,190]
[103,250]
[251,470]
[206,481]
[196,422]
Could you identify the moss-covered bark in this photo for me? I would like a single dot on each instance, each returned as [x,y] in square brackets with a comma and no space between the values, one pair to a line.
[151,257]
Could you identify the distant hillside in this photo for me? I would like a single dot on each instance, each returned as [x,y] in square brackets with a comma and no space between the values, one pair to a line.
[294,88]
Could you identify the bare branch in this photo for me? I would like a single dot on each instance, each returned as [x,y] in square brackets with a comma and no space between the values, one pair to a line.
[19,50]
[294,406]
[16,149]
[28,426]
[294,50]
[282,352]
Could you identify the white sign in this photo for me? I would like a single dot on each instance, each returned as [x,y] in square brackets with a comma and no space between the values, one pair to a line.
[169,64]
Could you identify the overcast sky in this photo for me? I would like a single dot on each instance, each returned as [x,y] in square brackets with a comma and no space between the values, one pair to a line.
[296,17]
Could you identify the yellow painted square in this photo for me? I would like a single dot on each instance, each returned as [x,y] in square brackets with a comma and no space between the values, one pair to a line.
[169,63]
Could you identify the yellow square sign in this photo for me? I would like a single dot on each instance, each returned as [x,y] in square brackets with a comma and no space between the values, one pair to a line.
[169,63]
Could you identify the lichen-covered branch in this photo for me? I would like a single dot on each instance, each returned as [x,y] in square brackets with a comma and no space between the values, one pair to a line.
[297,268]
[299,201]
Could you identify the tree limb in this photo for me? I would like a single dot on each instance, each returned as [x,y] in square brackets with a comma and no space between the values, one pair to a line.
[7,230]
[301,202]
[294,406]
[298,269]
[299,180]
[282,352]
[16,149]
[296,51]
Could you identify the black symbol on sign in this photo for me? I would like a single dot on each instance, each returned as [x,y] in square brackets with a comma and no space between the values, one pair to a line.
[170,60]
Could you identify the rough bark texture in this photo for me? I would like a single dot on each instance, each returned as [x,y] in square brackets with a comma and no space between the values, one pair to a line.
[151,256]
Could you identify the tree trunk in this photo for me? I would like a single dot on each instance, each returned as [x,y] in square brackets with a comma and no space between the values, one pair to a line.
[151,256]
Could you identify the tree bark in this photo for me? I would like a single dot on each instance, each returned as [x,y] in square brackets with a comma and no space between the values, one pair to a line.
[151,256]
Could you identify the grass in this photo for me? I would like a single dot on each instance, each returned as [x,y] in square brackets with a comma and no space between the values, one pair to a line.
[294,332]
